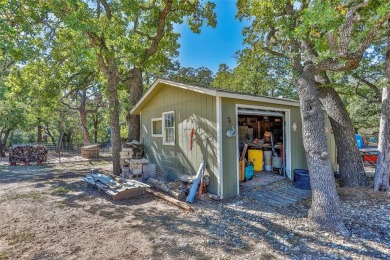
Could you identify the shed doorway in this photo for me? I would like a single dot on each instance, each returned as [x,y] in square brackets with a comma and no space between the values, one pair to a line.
[261,146]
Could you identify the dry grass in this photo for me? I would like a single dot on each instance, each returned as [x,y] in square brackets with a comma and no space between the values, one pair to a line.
[61,204]
[4,255]
[28,195]
[18,238]
[61,190]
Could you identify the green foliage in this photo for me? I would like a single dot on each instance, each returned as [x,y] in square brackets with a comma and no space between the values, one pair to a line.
[198,76]
[361,89]
[364,115]
[258,74]
[315,30]
[50,54]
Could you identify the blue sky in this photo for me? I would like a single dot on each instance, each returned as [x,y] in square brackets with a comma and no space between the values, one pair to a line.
[212,46]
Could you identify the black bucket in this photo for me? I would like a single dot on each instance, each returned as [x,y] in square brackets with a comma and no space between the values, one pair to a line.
[302,179]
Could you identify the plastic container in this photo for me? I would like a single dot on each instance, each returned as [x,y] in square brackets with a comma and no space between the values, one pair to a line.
[248,172]
[277,162]
[268,160]
[256,156]
[302,179]
[359,141]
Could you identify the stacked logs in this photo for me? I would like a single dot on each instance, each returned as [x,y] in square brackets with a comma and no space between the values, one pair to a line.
[27,154]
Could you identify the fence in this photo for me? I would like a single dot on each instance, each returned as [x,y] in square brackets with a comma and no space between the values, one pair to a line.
[67,149]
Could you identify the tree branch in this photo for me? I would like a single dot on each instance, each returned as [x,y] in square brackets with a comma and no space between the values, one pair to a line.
[345,30]
[370,85]
[275,53]
[350,60]
[160,30]
[107,9]
[364,96]
[143,34]
[371,34]
[149,7]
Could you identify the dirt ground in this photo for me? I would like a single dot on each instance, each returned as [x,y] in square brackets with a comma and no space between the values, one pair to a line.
[46,212]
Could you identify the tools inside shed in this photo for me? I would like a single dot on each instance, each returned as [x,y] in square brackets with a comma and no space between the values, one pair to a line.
[261,139]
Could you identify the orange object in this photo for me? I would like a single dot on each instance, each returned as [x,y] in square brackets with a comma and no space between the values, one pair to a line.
[242,169]
[202,189]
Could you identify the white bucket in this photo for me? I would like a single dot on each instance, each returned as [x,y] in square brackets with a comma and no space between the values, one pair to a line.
[277,162]
[267,158]
[268,168]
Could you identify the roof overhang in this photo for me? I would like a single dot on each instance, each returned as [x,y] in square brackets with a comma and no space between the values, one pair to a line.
[160,83]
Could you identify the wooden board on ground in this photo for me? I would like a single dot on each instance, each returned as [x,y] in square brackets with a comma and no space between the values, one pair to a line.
[176,202]
[179,195]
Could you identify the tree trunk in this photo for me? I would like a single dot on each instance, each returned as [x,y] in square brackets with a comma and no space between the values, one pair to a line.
[84,129]
[39,134]
[59,145]
[67,140]
[382,171]
[350,161]
[325,209]
[47,131]
[95,127]
[133,121]
[113,102]
[3,140]
[108,67]
[2,149]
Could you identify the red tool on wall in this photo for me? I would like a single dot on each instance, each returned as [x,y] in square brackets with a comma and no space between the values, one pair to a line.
[192,138]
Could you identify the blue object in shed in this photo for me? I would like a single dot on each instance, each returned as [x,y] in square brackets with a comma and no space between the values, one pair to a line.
[302,179]
[249,172]
[359,141]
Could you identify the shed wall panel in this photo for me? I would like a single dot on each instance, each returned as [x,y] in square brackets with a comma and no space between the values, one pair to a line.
[192,111]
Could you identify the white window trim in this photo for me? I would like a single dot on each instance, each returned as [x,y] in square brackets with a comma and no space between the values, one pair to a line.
[154,120]
[174,129]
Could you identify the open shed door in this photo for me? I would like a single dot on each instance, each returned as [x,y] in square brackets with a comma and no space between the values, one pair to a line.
[263,130]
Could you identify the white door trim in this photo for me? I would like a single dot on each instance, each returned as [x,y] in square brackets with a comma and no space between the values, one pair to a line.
[287,142]
[219,146]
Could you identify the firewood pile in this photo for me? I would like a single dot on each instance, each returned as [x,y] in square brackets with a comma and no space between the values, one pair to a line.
[90,151]
[27,154]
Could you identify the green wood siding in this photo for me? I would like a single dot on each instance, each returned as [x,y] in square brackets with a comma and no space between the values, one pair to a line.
[192,110]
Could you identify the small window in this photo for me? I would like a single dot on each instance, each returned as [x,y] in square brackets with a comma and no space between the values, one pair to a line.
[168,128]
[157,127]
